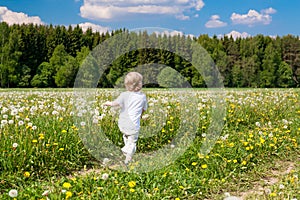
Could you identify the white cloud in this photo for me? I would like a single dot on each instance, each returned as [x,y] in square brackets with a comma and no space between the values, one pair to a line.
[215,22]
[173,33]
[95,27]
[269,11]
[112,9]
[253,17]
[11,17]
[182,17]
[236,34]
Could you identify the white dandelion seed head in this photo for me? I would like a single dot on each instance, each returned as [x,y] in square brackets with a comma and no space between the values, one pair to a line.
[15,145]
[34,127]
[20,123]
[10,121]
[105,176]
[13,193]
[281,186]
[5,116]
[82,123]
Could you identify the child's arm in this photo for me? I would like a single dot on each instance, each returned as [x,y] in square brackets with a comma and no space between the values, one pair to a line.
[111,103]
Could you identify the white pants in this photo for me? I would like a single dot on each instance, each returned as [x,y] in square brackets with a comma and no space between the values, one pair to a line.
[130,145]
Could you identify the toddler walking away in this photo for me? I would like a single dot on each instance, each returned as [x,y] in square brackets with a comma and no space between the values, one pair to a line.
[133,103]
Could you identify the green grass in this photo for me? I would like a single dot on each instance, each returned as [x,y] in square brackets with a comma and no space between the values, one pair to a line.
[259,142]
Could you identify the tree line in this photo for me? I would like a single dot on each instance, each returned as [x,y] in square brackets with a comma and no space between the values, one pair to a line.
[50,56]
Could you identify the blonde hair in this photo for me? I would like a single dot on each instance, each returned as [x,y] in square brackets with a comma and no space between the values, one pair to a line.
[133,81]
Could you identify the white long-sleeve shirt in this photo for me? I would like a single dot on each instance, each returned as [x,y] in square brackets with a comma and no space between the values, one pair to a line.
[132,105]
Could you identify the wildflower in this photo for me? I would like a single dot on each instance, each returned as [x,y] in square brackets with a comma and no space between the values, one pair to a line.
[41,136]
[68,194]
[261,140]
[26,174]
[82,123]
[66,185]
[281,186]
[131,184]
[63,131]
[194,163]
[34,141]
[13,193]
[104,176]
[20,123]
[132,190]
[244,162]
[273,194]
[204,166]
[15,145]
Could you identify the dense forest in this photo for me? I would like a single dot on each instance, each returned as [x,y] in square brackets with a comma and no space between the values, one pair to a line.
[50,56]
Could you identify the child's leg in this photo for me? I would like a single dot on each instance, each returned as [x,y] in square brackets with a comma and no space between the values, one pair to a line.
[130,146]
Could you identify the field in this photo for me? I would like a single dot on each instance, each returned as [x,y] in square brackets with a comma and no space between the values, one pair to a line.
[194,144]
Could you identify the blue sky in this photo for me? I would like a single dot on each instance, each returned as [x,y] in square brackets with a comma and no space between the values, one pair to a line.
[212,17]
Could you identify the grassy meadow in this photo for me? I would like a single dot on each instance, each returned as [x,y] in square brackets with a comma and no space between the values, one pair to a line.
[56,146]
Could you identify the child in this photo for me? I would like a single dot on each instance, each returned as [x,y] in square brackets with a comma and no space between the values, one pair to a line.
[133,103]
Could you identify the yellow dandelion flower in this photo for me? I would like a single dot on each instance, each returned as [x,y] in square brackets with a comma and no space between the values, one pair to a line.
[155,189]
[244,162]
[177,198]
[261,140]
[204,166]
[132,190]
[68,194]
[273,194]
[234,161]
[231,144]
[63,131]
[34,141]
[245,143]
[181,187]
[66,185]
[26,174]
[61,149]
[131,184]
[194,163]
